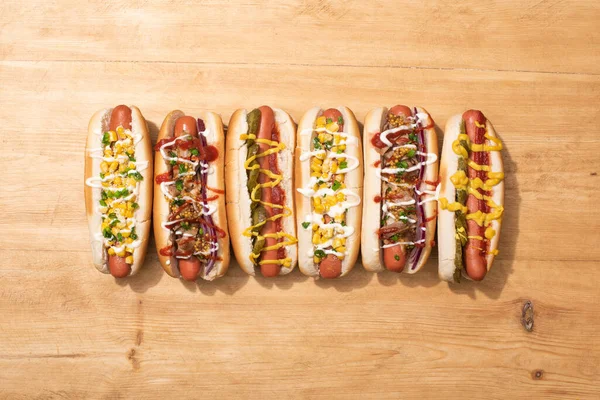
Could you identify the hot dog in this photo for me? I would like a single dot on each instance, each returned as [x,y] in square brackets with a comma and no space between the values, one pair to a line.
[471,197]
[190,224]
[328,192]
[259,195]
[118,189]
[399,203]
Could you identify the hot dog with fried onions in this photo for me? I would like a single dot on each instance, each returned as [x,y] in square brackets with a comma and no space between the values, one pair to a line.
[471,198]
[259,195]
[329,179]
[190,225]
[401,164]
[118,189]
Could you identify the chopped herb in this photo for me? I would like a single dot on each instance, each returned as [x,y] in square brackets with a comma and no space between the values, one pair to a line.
[412,137]
[135,206]
[112,215]
[201,231]
[137,176]
[328,144]
[396,257]
[343,164]
[103,203]
[113,223]
[328,120]
[179,185]
[194,152]
[104,195]
[319,181]
[102,175]
[317,144]
[106,139]
[305,225]
[343,223]
[340,151]
[119,237]
[319,253]
[172,154]
[185,225]
[178,202]
[402,164]
[411,153]
[336,185]
[133,235]
[340,120]
[394,238]
[107,233]
[131,157]
[389,189]
[173,162]
[182,168]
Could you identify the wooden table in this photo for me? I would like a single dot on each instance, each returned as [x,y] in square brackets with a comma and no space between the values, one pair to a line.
[69,332]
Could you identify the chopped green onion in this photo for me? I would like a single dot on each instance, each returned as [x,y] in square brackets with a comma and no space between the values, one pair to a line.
[182,168]
[137,176]
[328,120]
[317,144]
[319,253]
[106,139]
[103,203]
[412,137]
[102,175]
[343,164]
[336,185]
[340,120]
[119,237]
[179,185]
[305,225]
[131,157]
[194,152]
[135,206]
[396,257]
[411,153]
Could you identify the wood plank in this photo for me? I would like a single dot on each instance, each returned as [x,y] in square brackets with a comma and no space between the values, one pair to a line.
[516,35]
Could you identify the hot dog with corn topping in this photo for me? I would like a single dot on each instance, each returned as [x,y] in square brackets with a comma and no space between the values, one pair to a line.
[329,179]
[118,189]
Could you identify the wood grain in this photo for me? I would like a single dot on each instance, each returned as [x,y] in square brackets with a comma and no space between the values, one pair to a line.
[69,332]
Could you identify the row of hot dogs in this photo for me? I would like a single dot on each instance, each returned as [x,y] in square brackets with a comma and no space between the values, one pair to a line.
[286,195]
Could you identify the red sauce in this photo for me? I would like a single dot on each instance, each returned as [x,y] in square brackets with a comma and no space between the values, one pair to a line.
[188,144]
[162,178]
[166,251]
[209,153]
[219,191]
[161,143]
[377,199]
[377,163]
[211,198]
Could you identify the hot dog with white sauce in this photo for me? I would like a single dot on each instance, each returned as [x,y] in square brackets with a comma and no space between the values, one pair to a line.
[260,204]
[401,177]
[118,189]
[329,180]
[471,197]
[190,225]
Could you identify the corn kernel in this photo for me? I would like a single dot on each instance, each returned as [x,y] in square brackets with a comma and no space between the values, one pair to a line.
[105,184]
[341,257]
[130,181]
[315,227]
[341,249]
[121,253]
[112,135]
[340,196]
[113,166]
[315,168]
[125,233]
[337,139]
[342,147]
[334,167]
[339,218]
[320,156]
[129,260]
[343,240]
[334,149]
[315,174]
[129,214]
[120,130]
[118,181]
[114,230]
[102,210]
[316,260]
[111,251]
[332,127]
[323,185]
[316,237]
[324,175]
[129,241]
[321,121]
[317,201]
[336,243]
[107,153]
[319,209]
[104,166]
[321,137]
[131,165]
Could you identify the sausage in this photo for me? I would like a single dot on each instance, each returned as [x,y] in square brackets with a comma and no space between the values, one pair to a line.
[475,262]
[121,116]
[394,258]
[267,124]
[190,267]
[118,267]
[186,124]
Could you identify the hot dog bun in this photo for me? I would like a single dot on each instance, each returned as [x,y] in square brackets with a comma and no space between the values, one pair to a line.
[99,124]
[237,196]
[353,181]
[446,223]
[371,251]
[215,137]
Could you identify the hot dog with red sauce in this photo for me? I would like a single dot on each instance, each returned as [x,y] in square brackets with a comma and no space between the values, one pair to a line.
[399,193]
